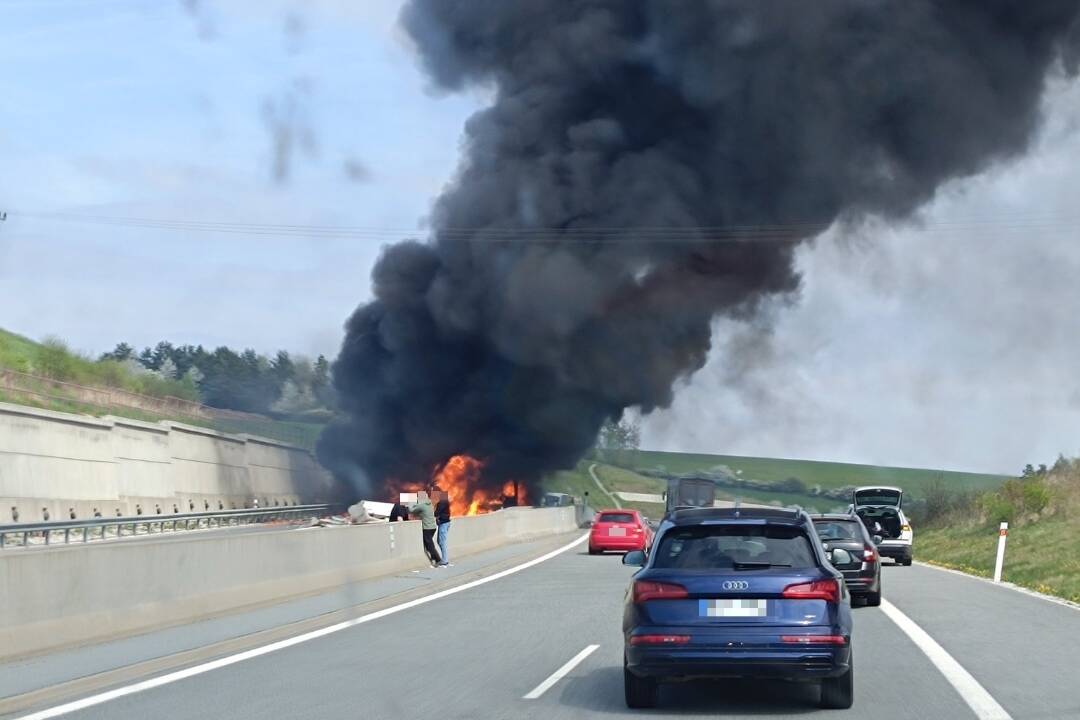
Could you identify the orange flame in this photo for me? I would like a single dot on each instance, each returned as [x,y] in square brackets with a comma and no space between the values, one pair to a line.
[514,489]
[458,478]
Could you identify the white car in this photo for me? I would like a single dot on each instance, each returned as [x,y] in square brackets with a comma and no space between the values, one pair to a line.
[879,508]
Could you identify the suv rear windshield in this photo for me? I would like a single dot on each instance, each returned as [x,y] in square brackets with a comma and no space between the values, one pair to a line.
[707,547]
[838,529]
[617,518]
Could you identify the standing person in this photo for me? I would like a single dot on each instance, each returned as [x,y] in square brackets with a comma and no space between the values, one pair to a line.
[442,517]
[423,511]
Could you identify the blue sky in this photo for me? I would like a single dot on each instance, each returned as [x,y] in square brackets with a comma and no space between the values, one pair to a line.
[142,108]
[947,344]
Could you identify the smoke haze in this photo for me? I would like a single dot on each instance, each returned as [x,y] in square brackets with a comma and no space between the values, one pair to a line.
[640,173]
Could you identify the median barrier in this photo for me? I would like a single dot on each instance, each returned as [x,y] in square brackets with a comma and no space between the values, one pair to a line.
[72,595]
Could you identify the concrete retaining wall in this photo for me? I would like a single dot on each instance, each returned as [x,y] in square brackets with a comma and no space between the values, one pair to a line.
[70,595]
[61,461]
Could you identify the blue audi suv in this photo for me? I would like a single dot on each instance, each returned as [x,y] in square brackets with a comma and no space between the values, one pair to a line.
[747,593]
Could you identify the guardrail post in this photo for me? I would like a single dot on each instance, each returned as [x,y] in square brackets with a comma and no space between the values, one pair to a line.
[1003,534]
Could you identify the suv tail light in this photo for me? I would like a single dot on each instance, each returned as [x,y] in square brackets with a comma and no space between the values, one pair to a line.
[659,639]
[869,554]
[827,590]
[645,590]
[813,639]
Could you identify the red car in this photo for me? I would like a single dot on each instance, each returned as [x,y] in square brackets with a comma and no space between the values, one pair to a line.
[619,530]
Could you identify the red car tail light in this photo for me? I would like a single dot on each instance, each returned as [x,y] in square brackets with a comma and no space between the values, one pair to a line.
[869,554]
[645,590]
[814,639]
[659,639]
[827,590]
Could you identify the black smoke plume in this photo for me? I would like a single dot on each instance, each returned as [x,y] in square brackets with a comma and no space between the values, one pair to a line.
[644,167]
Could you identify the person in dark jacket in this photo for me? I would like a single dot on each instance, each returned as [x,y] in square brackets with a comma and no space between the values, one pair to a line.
[399,512]
[442,517]
[425,513]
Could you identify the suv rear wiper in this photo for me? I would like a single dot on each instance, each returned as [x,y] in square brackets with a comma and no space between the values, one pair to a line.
[757,565]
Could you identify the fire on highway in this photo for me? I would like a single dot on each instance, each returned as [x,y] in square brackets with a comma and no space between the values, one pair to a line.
[539,359]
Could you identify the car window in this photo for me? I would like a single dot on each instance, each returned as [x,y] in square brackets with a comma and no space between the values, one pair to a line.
[718,547]
[838,530]
[617,518]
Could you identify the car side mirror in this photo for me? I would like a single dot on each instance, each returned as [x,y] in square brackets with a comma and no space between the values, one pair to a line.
[840,556]
[877,539]
[635,558]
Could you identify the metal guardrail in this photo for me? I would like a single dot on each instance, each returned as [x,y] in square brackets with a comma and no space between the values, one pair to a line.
[98,528]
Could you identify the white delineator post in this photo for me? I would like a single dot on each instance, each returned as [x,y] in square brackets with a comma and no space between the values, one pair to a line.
[1003,533]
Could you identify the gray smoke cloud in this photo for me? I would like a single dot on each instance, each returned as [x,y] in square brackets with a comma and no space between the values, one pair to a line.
[643,169]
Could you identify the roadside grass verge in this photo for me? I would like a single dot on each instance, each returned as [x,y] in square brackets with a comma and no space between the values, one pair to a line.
[1042,556]
[577,482]
[60,404]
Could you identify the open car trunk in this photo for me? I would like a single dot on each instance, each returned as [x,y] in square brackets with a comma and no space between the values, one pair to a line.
[888,518]
[877,496]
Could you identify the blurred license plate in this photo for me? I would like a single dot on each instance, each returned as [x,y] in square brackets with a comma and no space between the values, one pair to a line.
[616,532]
[736,607]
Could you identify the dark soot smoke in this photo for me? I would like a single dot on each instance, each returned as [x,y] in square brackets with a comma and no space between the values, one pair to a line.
[550,299]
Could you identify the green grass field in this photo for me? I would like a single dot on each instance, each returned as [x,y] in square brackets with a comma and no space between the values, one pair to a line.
[16,352]
[300,434]
[620,471]
[55,360]
[811,472]
[1043,556]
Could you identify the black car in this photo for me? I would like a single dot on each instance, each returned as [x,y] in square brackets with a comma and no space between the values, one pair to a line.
[737,593]
[863,573]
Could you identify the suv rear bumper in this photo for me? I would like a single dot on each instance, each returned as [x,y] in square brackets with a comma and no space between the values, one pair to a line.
[617,544]
[796,663]
[895,552]
[861,585]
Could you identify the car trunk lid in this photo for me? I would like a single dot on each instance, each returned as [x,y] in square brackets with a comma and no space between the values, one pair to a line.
[878,496]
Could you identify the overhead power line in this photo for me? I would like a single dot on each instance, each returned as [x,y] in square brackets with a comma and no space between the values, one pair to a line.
[778,232]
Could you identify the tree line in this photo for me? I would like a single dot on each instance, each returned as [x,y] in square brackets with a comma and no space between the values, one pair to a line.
[246,381]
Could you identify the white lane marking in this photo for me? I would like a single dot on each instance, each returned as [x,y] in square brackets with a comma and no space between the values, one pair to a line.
[974,694]
[172,677]
[1007,585]
[560,673]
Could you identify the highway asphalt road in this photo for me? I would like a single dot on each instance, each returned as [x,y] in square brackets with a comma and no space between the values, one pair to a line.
[478,652]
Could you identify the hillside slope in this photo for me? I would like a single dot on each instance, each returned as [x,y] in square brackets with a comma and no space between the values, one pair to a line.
[49,375]
[810,472]
[776,481]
